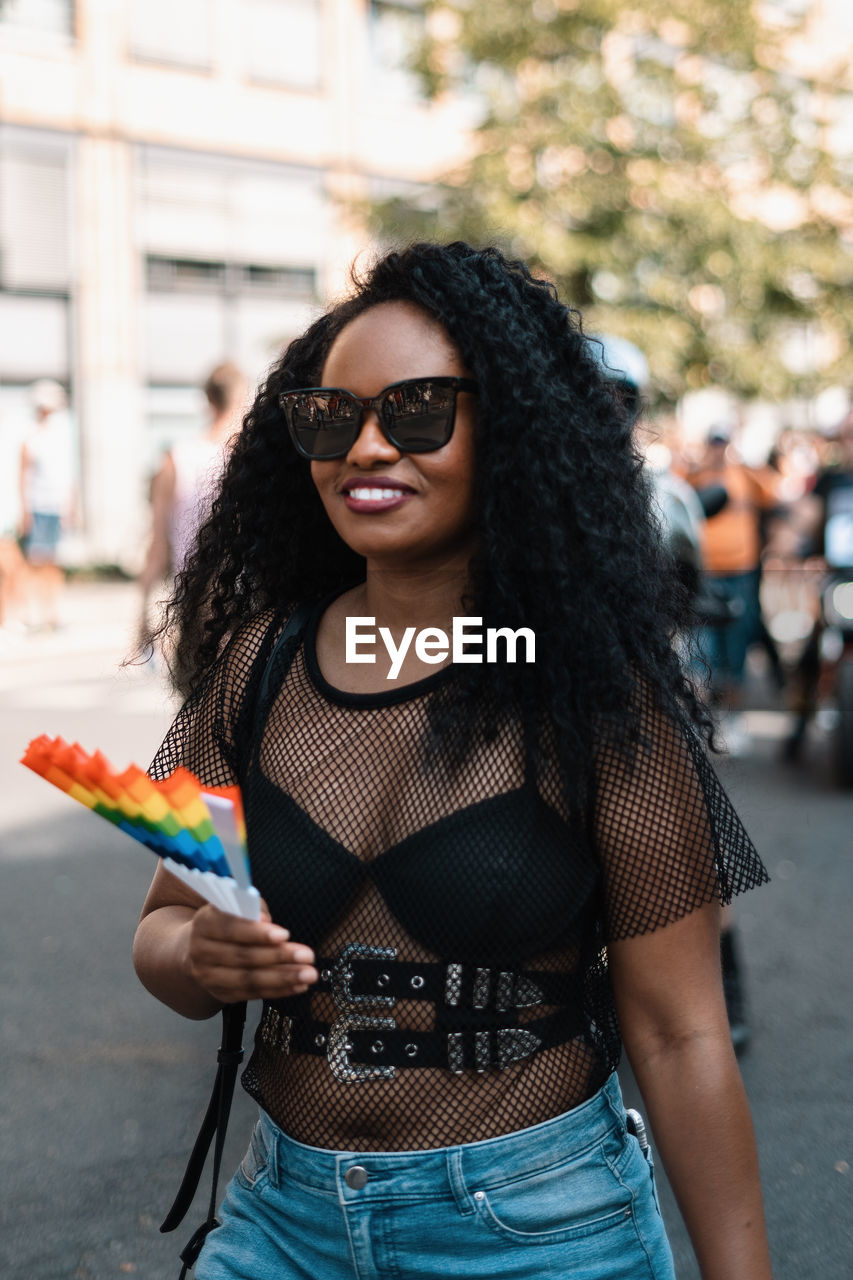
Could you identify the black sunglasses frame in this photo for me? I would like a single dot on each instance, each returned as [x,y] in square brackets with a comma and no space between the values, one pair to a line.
[378,403]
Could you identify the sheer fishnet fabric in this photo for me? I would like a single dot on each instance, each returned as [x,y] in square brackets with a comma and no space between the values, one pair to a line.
[359,833]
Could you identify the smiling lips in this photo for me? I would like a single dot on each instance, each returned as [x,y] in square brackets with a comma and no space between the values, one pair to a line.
[368,496]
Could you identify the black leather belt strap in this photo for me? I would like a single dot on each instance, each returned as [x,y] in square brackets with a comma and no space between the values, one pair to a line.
[477,1046]
[466,985]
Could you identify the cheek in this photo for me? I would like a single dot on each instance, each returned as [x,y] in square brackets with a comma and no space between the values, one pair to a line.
[323,476]
[454,486]
[464,465]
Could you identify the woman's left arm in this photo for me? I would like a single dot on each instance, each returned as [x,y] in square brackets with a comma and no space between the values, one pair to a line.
[672,1013]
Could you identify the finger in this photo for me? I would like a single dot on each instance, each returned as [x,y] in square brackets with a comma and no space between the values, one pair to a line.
[213,923]
[273,983]
[229,955]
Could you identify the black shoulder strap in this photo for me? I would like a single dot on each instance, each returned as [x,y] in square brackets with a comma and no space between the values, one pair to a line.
[291,631]
[215,1122]
[230,1053]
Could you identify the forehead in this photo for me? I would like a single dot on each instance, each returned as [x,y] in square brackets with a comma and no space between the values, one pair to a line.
[390,342]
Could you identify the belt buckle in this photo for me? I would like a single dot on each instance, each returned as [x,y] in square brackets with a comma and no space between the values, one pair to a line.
[340,1047]
[342,975]
[353,1019]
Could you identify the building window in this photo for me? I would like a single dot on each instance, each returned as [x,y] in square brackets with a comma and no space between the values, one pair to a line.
[198,312]
[230,249]
[185,274]
[35,283]
[35,255]
[39,15]
[35,250]
[396,29]
[283,42]
[168,32]
[284,282]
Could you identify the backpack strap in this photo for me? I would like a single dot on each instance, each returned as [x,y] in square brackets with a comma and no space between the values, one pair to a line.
[231,1051]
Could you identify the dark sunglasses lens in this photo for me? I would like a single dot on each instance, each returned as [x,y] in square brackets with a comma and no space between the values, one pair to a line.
[419,416]
[325,426]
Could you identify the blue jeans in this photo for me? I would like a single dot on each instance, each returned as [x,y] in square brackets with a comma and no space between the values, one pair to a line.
[573,1197]
[725,647]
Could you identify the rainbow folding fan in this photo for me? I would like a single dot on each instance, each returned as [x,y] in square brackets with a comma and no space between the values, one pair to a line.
[199,832]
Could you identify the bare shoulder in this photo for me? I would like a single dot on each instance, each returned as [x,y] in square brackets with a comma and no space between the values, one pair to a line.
[246,641]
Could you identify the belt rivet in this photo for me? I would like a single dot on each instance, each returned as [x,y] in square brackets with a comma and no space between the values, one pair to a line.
[325,975]
[410,1050]
[319,1041]
[417,982]
[378,1046]
[383,980]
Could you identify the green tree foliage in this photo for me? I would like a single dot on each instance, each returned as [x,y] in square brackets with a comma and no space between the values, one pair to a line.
[666,166]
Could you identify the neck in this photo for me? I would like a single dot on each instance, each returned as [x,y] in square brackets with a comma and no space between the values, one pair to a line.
[398,598]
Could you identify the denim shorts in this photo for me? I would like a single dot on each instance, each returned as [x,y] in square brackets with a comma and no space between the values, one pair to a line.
[573,1197]
[43,538]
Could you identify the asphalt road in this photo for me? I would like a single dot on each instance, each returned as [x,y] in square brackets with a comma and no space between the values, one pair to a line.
[104,1089]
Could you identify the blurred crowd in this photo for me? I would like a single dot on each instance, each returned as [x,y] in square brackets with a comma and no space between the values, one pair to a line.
[776,534]
[765,547]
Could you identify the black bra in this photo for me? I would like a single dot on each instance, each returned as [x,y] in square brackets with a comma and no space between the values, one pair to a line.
[537,891]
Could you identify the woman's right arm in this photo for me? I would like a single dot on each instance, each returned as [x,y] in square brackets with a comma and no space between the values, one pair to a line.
[196,958]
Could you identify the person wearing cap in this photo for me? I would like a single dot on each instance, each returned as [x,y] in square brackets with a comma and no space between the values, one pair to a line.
[47,497]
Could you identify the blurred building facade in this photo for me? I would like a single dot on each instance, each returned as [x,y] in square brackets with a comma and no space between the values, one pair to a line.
[170,183]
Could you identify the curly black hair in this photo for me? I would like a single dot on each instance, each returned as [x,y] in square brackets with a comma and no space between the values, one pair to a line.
[568,543]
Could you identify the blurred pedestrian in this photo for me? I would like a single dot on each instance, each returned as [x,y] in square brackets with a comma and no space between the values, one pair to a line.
[183,487]
[47,492]
[469,866]
[683,523]
[827,512]
[732,559]
[823,520]
[13,579]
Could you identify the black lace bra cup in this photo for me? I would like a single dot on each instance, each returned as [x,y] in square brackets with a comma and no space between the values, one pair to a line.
[535,896]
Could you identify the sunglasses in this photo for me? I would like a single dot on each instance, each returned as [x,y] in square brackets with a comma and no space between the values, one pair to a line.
[416,416]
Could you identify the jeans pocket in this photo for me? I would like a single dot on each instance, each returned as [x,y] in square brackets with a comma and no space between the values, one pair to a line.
[254,1166]
[567,1201]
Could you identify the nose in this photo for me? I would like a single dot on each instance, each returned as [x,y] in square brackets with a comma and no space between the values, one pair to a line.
[371,446]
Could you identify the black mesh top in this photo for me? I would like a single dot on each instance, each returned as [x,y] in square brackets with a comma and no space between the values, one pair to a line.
[459,914]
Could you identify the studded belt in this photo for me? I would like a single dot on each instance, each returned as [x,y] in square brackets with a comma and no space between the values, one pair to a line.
[476,1027]
[374,975]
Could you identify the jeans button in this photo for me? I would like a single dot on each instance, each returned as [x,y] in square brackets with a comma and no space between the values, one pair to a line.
[356,1177]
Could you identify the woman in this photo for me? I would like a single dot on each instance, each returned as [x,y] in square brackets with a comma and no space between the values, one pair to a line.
[470,868]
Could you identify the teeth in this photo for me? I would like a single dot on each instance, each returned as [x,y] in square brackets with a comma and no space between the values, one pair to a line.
[372,495]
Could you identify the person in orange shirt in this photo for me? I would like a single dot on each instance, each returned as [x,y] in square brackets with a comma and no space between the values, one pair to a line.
[732,558]
[732,543]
